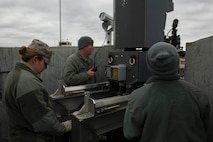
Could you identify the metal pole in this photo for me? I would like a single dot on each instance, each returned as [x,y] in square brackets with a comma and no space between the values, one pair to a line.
[60,20]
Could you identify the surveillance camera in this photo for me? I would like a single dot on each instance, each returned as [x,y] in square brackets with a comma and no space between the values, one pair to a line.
[107,25]
[105,17]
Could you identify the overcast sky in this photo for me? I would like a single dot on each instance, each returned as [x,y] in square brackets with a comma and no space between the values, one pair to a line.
[23,20]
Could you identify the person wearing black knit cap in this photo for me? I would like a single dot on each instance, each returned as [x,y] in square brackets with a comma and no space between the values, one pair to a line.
[78,68]
[166,108]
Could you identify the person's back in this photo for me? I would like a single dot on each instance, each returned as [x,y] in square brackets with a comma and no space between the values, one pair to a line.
[166,109]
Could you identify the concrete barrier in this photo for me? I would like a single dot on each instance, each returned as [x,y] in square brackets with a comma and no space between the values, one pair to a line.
[199,70]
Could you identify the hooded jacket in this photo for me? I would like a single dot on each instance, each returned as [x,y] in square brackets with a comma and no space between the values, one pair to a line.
[30,114]
[166,109]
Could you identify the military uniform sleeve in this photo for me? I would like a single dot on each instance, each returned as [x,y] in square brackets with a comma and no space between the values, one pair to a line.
[73,78]
[37,110]
[73,74]
[132,130]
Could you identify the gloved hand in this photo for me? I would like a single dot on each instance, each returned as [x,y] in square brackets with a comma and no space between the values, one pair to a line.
[67,125]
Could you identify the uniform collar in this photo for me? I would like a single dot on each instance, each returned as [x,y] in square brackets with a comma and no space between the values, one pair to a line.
[83,58]
[23,66]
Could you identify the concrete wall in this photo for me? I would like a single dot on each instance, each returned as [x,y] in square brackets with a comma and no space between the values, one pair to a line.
[7,57]
[199,69]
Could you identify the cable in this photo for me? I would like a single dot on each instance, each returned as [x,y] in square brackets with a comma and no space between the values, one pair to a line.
[168,32]
[98,50]
[95,66]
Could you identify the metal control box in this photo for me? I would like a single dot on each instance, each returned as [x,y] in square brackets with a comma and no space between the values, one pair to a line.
[117,72]
[129,63]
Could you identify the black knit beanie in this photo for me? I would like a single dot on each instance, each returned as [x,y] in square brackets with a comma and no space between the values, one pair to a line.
[162,59]
[84,41]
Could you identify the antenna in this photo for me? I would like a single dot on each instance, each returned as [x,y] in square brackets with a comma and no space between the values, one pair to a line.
[60,21]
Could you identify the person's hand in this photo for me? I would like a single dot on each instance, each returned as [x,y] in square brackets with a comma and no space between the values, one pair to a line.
[68,125]
[91,73]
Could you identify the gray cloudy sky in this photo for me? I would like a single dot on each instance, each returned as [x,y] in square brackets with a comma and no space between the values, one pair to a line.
[24,20]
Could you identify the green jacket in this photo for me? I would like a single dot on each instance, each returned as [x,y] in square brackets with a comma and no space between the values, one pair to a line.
[167,109]
[30,114]
[75,70]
